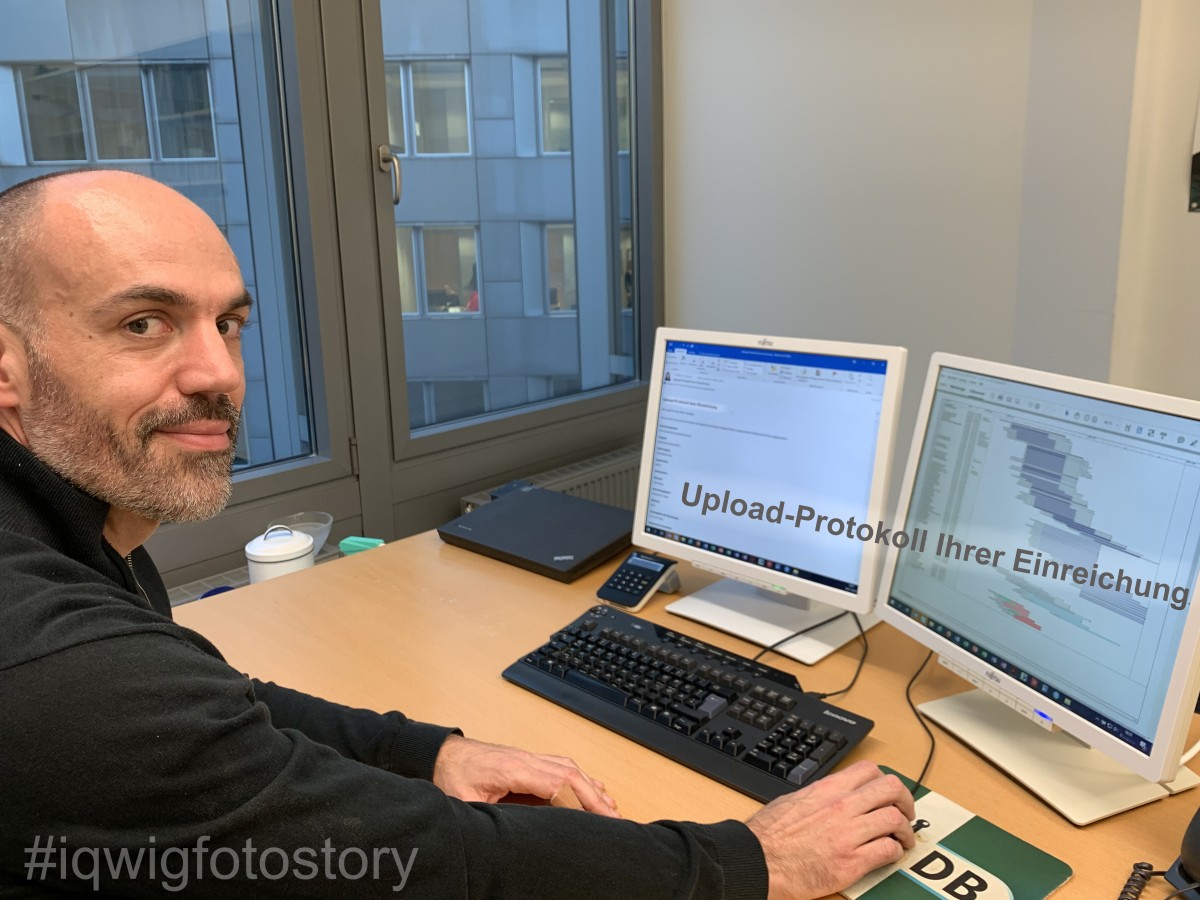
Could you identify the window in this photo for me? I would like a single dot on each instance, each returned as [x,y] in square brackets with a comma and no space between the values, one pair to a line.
[408,273]
[394,84]
[116,114]
[185,127]
[449,269]
[627,270]
[440,117]
[554,88]
[53,120]
[118,103]
[623,104]
[430,402]
[560,268]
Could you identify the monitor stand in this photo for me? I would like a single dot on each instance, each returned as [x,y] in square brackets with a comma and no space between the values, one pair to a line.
[762,617]
[1081,783]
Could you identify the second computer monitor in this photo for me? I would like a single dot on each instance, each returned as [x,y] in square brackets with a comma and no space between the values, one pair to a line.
[766,460]
[1056,544]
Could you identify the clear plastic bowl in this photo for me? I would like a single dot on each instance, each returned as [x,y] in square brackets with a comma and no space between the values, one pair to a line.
[316,524]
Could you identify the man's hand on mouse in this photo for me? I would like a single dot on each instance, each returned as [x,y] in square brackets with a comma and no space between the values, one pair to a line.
[829,835]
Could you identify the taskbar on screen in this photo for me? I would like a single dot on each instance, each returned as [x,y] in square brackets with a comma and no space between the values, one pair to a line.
[1049,691]
[754,559]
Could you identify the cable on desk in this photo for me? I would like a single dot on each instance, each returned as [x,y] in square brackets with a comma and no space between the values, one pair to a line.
[1138,878]
[861,659]
[920,718]
[795,634]
[1183,890]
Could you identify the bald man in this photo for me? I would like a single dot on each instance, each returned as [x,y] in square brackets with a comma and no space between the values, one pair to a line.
[121,383]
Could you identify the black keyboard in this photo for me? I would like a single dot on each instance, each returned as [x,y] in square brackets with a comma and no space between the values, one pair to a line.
[743,723]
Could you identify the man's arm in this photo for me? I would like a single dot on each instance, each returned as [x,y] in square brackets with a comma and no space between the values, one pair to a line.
[146,740]
[388,741]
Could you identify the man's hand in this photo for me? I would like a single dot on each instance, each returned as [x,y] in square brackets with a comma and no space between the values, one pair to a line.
[827,836]
[475,771]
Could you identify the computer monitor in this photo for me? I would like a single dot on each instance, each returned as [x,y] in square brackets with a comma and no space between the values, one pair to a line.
[1054,536]
[766,460]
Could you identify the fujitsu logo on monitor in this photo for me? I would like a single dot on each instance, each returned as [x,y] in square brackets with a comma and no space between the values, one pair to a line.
[766,342]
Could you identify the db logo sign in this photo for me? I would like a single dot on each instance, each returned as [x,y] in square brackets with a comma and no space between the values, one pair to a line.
[949,875]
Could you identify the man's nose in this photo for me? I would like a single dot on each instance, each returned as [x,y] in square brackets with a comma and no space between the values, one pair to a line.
[211,364]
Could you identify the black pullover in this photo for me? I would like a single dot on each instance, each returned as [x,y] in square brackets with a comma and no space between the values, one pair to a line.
[121,730]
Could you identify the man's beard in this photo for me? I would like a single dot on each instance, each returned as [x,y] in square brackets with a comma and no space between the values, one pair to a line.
[124,469]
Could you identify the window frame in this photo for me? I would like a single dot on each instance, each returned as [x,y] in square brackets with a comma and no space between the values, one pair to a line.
[408,104]
[541,106]
[88,113]
[23,112]
[547,227]
[420,269]
[152,100]
[581,423]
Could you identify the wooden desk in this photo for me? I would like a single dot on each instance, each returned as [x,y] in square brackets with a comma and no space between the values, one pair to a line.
[427,628]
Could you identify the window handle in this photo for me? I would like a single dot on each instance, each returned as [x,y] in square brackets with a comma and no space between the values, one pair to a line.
[389,162]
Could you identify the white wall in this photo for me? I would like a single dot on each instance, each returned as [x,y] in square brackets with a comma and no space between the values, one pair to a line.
[935,174]
[1158,300]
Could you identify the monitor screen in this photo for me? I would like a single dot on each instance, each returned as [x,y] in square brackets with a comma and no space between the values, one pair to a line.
[765,458]
[1055,539]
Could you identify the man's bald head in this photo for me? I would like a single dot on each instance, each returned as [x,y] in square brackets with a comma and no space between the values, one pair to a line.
[25,228]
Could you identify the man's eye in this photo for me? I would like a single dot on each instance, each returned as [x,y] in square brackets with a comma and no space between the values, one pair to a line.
[146,325]
[231,327]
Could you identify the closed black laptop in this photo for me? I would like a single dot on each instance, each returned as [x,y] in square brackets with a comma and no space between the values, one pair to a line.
[547,532]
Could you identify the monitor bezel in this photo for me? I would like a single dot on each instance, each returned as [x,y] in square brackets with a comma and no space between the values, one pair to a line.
[785,586]
[1162,764]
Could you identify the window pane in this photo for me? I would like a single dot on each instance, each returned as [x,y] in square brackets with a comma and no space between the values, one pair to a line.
[440,107]
[560,267]
[395,98]
[457,400]
[519,266]
[118,112]
[449,269]
[556,106]
[242,183]
[408,275]
[623,103]
[52,115]
[185,125]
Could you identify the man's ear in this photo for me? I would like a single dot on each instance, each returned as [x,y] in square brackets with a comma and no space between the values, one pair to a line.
[14,370]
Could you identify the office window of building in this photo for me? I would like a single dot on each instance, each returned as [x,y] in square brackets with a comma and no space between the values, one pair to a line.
[439,101]
[554,89]
[184,106]
[430,402]
[627,270]
[116,122]
[623,112]
[394,84]
[451,282]
[560,268]
[408,273]
[53,118]
[117,98]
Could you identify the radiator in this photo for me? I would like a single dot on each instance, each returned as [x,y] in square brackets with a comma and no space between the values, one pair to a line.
[609,478]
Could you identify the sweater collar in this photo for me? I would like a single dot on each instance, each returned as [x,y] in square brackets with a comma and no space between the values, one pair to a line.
[38,502]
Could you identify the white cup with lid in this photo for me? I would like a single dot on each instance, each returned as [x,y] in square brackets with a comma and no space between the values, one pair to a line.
[278,551]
